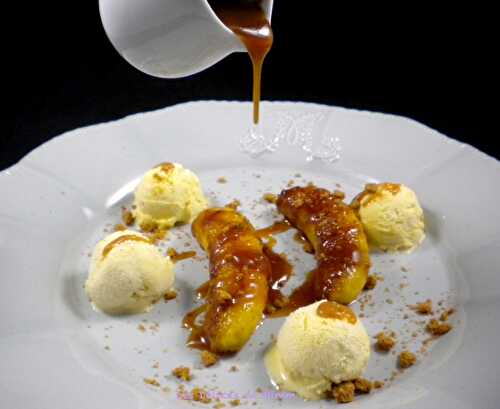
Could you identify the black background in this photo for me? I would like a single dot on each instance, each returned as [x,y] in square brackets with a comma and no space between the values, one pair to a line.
[61,72]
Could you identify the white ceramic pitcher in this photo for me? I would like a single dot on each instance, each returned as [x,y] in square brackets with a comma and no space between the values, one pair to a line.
[169,38]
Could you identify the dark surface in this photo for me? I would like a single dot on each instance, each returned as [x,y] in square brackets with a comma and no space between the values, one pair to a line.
[433,66]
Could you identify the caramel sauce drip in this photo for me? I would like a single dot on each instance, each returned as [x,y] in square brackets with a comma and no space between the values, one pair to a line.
[331,309]
[175,256]
[116,242]
[275,228]
[300,238]
[197,338]
[248,21]
[281,271]
[202,290]
[300,297]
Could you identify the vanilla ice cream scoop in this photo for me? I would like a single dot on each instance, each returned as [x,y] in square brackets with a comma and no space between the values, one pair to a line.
[127,274]
[320,344]
[168,194]
[391,216]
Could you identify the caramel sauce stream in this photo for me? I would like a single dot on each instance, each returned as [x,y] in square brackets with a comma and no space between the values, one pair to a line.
[248,21]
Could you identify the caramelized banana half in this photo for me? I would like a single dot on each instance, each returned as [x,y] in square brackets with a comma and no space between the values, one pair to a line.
[337,237]
[239,270]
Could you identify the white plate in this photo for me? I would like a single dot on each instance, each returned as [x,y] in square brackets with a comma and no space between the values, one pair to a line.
[56,352]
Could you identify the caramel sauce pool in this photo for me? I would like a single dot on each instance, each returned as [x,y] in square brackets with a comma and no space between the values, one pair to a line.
[301,296]
[331,309]
[247,20]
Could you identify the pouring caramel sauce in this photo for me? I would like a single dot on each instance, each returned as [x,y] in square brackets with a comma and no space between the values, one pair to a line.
[247,20]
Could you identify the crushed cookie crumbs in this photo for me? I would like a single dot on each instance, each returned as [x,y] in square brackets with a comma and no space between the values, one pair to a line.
[446,314]
[378,384]
[147,226]
[406,359]
[344,392]
[152,382]
[233,204]
[423,308]
[234,402]
[119,227]
[384,342]
[362,385]
[127,217]
[158,235]
[170,295]
[221,179]
[199,395]
[270,198]
[438,328]
[208,358]
[183,373]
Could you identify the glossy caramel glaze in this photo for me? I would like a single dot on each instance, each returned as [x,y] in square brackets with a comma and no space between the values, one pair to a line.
[116,242]
[237,291]
[339,243]
[336,311]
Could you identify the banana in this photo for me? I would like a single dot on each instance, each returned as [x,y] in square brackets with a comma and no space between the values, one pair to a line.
[338,239]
